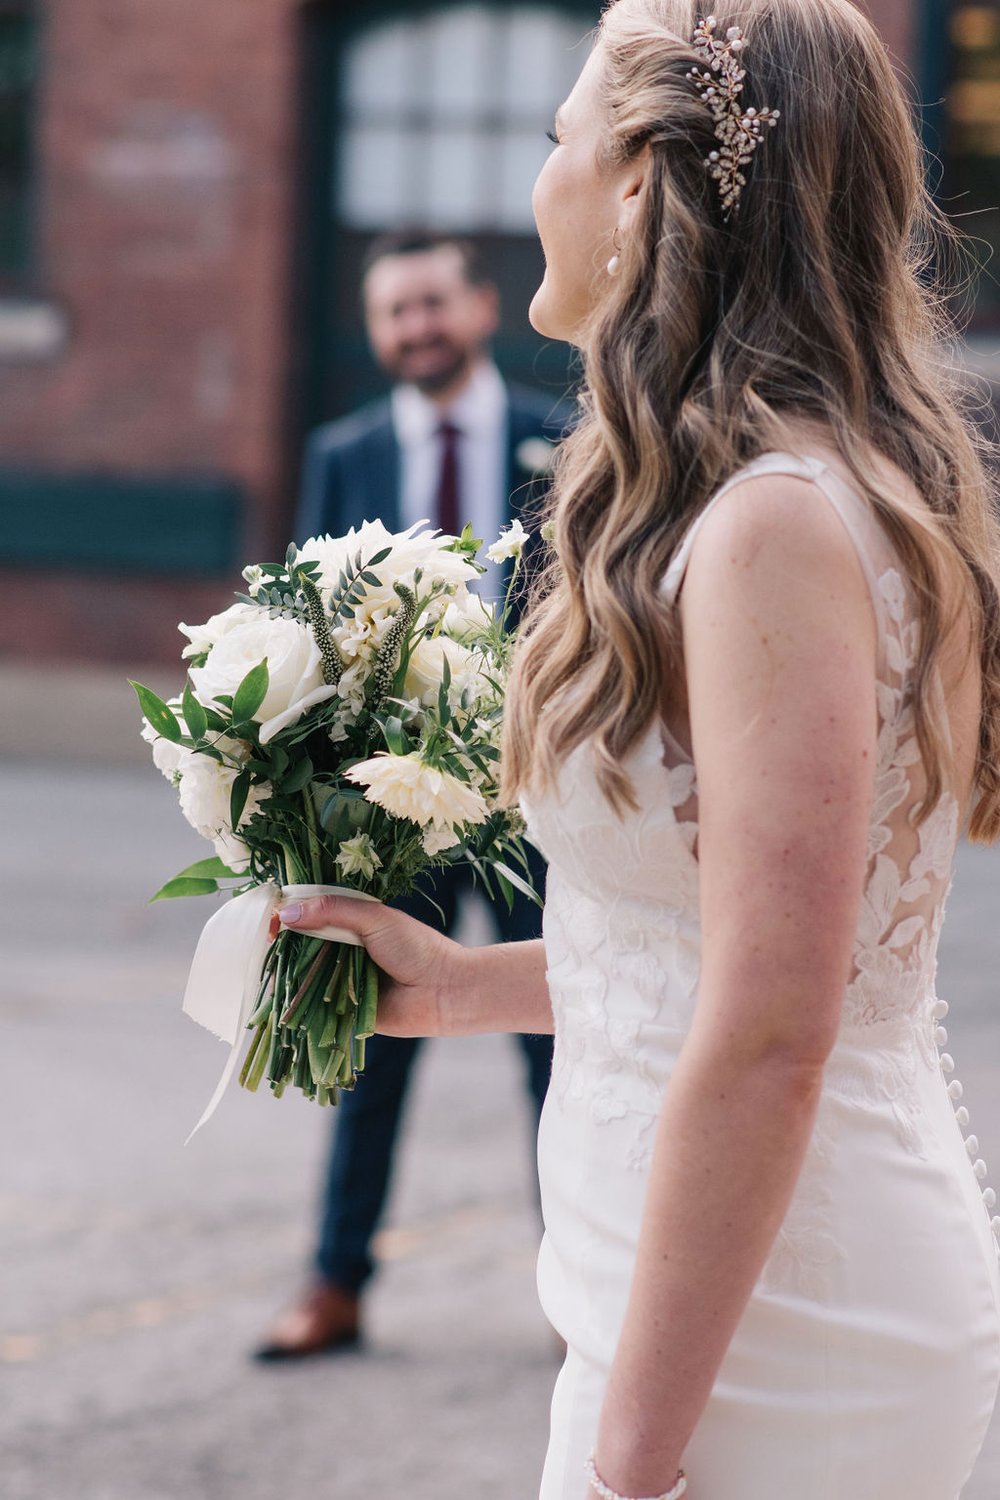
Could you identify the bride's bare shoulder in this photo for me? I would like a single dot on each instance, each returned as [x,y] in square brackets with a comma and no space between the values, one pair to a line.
[768,529]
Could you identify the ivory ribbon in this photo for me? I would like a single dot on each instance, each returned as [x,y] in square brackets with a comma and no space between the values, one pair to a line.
[225,971]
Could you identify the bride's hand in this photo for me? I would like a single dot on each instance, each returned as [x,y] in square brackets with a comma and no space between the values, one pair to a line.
[420,967]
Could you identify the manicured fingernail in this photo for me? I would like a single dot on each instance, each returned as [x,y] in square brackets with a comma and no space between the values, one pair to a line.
[290,913]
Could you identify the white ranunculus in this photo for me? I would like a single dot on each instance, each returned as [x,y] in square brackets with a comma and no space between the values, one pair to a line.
[205,788]
[294,665]
[202,638]
[510,543]
[408,788]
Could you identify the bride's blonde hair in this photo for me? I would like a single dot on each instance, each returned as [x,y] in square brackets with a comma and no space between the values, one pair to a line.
[813,301]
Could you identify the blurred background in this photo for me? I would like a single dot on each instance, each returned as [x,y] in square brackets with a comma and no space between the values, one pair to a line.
[185,193]
[186,189]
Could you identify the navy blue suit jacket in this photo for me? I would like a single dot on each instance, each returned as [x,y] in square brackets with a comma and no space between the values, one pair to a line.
[352,473]
[353,468]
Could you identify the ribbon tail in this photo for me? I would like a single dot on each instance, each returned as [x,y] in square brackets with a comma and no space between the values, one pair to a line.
[225,975]
[226,969]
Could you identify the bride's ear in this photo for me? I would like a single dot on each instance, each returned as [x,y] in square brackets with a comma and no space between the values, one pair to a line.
[633,185]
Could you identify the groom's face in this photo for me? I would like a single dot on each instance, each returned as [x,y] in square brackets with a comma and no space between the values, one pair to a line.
[427,323]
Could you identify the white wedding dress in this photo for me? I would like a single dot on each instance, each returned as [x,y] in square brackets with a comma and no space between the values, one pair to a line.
[866,1364]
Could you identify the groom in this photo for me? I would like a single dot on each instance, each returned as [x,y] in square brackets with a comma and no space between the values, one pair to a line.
[452,443]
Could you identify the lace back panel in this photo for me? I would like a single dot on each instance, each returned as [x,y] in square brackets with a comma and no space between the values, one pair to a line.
[909,866]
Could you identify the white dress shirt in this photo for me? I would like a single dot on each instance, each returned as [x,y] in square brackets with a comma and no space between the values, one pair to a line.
[480,414]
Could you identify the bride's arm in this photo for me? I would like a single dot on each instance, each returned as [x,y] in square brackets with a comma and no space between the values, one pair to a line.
[432,986]
[779,640]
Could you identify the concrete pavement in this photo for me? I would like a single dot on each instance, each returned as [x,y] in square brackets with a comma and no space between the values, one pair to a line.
[140,1271]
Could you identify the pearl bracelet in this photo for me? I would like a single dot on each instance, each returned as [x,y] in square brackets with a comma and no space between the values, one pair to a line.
[607,1493]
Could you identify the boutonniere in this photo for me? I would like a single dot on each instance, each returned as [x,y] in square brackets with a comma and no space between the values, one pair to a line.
[535,455]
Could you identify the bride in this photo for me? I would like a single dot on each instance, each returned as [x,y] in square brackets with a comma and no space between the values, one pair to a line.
[757,698]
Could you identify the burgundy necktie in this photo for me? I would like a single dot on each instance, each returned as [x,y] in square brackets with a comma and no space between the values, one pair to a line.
[447,490]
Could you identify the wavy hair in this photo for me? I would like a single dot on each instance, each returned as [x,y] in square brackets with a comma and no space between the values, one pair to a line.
[819,300]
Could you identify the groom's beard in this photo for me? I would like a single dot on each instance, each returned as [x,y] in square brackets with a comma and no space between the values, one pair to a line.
[433,366]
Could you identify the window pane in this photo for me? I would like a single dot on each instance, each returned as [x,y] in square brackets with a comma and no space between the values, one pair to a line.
[522,155]
[443,119]
[462,60]
[544,54]
[454,187]
[380,72]
[375,189]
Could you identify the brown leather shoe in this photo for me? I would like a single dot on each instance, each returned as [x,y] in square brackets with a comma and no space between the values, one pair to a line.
[324,1319]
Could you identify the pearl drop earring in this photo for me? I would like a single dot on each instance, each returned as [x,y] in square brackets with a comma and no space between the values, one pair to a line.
[616,259]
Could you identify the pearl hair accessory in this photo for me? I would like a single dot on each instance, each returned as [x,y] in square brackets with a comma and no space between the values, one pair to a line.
[606,1493]
[737,130]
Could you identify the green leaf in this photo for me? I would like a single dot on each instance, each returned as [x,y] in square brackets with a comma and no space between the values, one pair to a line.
[251,693]
[214,721]
[160,715]
[395,739]
[238,798]
[379,557]
[299,776]
[278,762]
[180,886]
[195,716]
[506,891]
[444,711]
[212,868]
[506,873]
[200,879]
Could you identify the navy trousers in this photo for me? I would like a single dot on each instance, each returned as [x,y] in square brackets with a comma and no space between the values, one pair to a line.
[366,1121]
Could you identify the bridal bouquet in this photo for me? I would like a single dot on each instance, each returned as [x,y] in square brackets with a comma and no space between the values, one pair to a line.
[339,729]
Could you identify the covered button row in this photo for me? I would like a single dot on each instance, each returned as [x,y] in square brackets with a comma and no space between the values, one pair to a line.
[939,1011]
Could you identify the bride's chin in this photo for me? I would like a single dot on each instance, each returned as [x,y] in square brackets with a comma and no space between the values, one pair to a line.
[536,313]
[543,319]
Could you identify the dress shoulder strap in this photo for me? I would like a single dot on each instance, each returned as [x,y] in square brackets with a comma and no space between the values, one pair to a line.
[870,543]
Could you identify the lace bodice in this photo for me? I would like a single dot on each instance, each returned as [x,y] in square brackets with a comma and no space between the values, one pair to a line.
[622,922]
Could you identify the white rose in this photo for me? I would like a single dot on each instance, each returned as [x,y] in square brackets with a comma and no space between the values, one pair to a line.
[426,667]
[408,788]
[202,638]
[167,757]
[294,665]
[510,543]
[205,788]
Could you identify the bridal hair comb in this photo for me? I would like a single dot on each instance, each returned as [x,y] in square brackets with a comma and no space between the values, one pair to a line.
[738,130]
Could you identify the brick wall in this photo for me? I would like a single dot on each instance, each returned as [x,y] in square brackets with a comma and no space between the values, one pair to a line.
[166,143]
